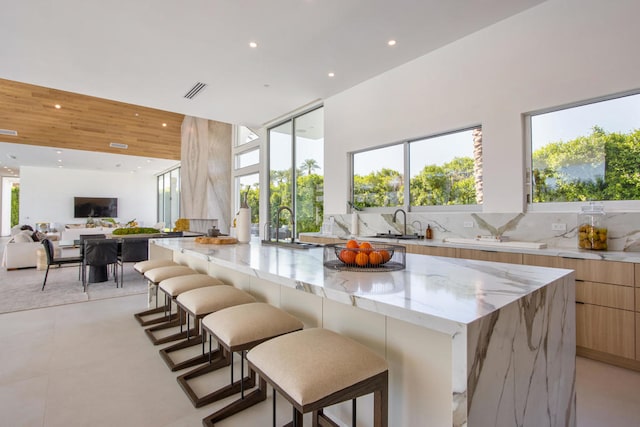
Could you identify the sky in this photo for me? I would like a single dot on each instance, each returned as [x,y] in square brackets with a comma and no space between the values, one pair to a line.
[617,115]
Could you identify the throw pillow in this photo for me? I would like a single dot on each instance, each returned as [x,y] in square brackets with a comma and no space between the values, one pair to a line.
[38,236]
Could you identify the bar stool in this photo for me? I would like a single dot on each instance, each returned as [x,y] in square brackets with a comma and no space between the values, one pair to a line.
[316,368]
[142,266]
[239,329]
[172,288]
[154,276]
[199,303]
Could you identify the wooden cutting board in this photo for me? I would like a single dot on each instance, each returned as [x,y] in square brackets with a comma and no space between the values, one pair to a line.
[220,240]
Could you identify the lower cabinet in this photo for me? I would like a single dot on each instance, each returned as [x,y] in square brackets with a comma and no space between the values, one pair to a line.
[432,250]
[482,255]
[609,330]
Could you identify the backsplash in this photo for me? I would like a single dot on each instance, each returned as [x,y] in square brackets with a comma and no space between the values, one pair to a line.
[624,228]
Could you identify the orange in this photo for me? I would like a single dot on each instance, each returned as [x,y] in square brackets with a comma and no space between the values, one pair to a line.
[375,258]
[386,256]
[347,256]
[362,259]
[352,244]
[366,247]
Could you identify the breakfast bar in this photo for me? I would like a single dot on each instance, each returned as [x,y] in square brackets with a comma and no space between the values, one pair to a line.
[468,343]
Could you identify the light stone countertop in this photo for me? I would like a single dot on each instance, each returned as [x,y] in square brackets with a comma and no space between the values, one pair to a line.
[549,251]
[436,292]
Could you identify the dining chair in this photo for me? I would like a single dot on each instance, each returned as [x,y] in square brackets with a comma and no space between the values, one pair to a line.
[81,239]
[98,255]
[132,250]
[52,260]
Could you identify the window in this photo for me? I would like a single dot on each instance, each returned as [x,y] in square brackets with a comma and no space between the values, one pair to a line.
[443,170]
[246,174]
[247,158]
[588,152]
[245,136]
[296,177]
[248,188]
[169,197]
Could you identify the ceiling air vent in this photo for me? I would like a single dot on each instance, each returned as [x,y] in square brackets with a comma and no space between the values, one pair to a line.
[196,89]
[8,132]
[118,145]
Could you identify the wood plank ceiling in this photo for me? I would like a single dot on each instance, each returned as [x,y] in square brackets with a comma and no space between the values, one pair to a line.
[85,122]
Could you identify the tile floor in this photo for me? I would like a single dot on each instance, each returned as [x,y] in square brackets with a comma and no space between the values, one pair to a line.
[90,364]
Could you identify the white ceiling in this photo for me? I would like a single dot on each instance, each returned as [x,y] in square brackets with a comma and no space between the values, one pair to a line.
[15,156]
[151,52]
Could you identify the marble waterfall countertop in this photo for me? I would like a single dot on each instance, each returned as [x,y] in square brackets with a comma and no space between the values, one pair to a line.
[435,292]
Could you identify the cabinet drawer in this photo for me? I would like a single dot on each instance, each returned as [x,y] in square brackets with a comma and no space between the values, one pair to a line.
[550,261]
[637,274]
[615,272]
[490,256]
[432,250]
[606,329]
[604,294]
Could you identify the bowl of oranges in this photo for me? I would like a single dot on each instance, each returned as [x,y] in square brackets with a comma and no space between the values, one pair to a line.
[363,256]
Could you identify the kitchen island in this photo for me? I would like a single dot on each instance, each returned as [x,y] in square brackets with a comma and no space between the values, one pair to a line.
[469,343]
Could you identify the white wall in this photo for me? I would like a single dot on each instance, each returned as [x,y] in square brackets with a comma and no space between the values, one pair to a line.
[560,52]
[46,194]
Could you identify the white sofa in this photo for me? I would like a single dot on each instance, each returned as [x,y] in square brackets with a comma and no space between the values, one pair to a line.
[20,253]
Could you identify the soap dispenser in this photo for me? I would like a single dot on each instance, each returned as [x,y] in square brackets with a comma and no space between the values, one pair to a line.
[428,233]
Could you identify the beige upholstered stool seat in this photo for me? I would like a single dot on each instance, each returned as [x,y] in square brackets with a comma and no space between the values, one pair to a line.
[315,368]
[238,329]
[245,326]
[175,286]
[172,287]
[197,303]
[155,276]
[142,266]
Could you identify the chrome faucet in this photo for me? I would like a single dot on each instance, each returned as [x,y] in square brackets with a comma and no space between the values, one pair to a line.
[405,219]
[280,209]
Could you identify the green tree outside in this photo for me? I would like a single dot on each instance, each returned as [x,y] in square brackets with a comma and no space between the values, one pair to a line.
[15,205]
[600,166]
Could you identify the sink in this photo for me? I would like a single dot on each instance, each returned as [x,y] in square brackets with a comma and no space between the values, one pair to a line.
[289,244]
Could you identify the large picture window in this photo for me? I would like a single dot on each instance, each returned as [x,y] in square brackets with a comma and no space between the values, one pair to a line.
[296,173]
[588,152]
[443,170]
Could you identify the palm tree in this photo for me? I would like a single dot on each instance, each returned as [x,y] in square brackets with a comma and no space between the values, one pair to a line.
[310,165]
[477,164]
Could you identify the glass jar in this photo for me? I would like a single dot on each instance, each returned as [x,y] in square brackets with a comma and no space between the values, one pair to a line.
[592,228]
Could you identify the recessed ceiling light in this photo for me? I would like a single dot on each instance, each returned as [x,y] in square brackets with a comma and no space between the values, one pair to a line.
[164,125]
[58,106]
[391,42]
[331,74]
[59,160]
[253,45]
[149,160]
[139,167]
[136,114]
[60,166]
[58,151]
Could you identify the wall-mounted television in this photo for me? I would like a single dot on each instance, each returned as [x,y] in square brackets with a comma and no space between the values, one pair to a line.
[95,207]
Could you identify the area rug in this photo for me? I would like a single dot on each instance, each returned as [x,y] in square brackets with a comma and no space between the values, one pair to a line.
[21,289]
